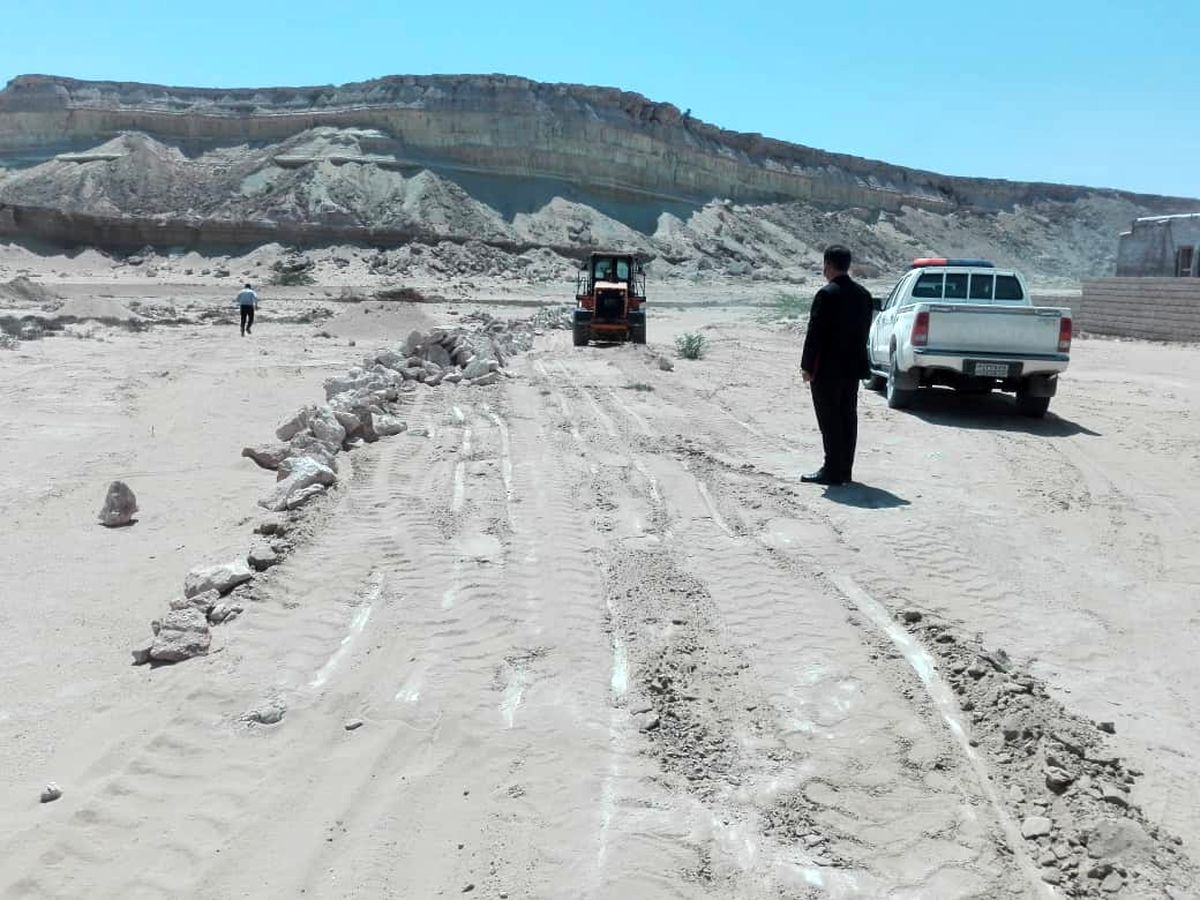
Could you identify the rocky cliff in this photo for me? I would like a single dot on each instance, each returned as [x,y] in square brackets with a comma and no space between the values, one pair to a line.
[492,158]
[603,137]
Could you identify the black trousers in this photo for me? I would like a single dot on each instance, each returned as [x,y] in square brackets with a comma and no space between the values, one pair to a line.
[247,318]
[836,403]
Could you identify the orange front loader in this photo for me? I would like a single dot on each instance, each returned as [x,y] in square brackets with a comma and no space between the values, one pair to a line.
[610,292]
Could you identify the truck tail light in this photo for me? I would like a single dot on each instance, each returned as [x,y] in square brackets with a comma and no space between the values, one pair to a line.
[1064,335]
[920,330]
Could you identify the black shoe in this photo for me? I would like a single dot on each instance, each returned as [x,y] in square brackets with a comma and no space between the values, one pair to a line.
[820,477]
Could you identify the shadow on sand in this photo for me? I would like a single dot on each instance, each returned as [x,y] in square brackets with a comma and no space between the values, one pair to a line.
[989,412]
[863,496]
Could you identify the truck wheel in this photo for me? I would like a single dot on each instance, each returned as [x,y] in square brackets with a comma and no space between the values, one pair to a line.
[1034,407]
[580,333]
[874,382]
[637,333]
[897,398]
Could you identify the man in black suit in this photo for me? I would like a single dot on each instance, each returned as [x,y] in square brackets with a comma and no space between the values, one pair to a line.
[834,360]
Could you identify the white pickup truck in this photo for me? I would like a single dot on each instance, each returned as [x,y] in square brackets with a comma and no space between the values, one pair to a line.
[966,324]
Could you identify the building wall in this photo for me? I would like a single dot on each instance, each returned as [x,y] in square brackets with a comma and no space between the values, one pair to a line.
[1162,309]
[1149,248]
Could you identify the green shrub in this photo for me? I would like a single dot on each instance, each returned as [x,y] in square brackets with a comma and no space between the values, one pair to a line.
[792,306]
[691,345]
[292,279]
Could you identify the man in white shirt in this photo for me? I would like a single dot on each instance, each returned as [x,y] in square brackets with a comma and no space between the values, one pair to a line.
[247,302]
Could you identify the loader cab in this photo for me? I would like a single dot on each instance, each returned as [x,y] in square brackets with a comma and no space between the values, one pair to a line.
[614,268]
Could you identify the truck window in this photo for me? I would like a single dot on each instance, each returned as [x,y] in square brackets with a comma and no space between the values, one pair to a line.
[1008,288]
[981,287]
[622,270]
[928,286]
[956,286]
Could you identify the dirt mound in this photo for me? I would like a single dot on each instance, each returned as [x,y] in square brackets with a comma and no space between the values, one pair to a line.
[23,291]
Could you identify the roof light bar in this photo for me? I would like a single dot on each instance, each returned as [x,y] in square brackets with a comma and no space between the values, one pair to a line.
[924,261]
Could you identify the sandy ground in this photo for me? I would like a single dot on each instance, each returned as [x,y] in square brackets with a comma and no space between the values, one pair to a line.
[602,640]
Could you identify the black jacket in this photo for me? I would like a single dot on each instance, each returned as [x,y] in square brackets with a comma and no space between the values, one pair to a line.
[836,343]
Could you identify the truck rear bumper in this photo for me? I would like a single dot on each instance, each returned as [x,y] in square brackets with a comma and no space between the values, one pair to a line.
[955,360]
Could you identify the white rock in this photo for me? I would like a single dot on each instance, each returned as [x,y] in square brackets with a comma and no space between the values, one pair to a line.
[305,444]
[489,378]
[182,634]
[438,355]
[221,578]
[270,713]
[477,368]
[262,556]
[272,523]
[391,359]
[203,601]
[343,406]
[665,364]
[302,496]
[119,506]
[304,472]
[291,427]
[326,428]
[268,456]
[386,426]
[224,611]
[1035,826]
[414,340]
[51,793]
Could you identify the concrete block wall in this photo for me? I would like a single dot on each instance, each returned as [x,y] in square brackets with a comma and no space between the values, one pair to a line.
[1160,309]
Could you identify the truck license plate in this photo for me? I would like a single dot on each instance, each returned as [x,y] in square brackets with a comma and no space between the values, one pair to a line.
[991,370]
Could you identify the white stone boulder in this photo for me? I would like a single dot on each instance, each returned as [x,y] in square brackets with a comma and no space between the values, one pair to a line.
[477,368]
[414,340]
[303,472]
[438,355]
[302,496]
[221,578]
[292,426]
[224,611]
[262,556]
[268,456]
[385,426]
[182,634]
[326,428]
[391,359]
[119,506]
[306,444]
[203,601]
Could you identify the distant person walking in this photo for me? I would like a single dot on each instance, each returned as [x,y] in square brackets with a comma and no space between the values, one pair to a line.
[833,362]
[247,302]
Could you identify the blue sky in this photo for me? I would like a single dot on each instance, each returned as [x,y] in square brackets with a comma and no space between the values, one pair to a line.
[1096,93]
